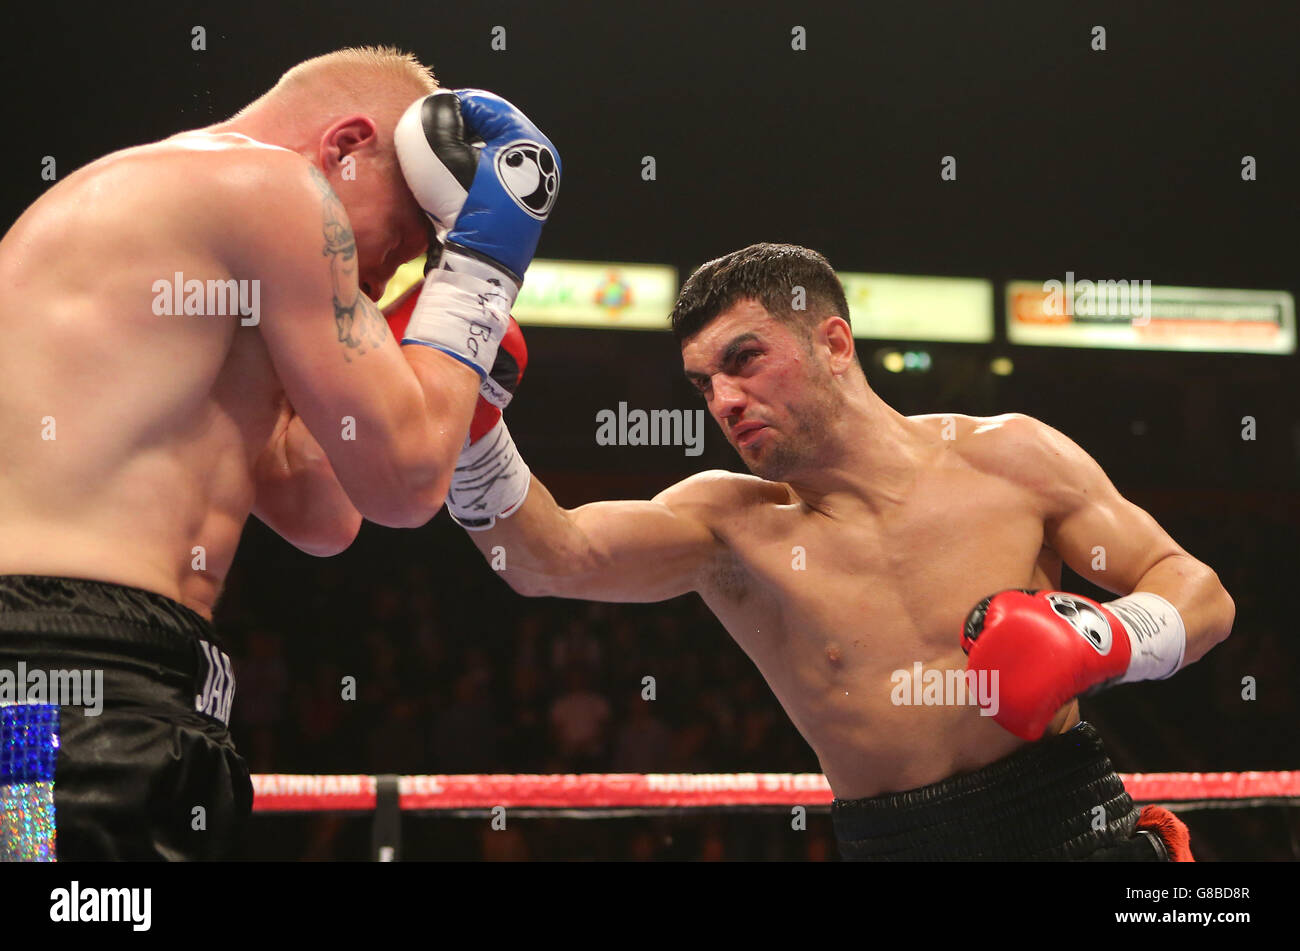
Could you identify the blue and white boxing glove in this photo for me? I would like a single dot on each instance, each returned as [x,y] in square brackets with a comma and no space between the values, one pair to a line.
[487,178]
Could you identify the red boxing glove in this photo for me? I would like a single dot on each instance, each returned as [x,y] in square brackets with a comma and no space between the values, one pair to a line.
[1046,647]
[498,388]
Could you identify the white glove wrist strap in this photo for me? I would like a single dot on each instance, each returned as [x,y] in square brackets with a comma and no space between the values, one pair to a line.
[463,310]
[1156,634]
[490,482]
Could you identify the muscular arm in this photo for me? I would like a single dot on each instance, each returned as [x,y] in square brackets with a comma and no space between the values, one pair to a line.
[608,551]
[390,420]
[298,495]
[1114,543]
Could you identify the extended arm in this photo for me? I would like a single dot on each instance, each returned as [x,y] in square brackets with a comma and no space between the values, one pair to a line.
[631,551]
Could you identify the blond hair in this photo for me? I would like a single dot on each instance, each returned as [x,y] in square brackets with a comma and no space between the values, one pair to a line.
[380,81]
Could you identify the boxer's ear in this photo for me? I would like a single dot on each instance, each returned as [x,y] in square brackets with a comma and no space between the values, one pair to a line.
[836,335]
[344,136]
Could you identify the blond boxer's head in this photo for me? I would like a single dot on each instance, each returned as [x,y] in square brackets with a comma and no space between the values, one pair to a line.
[339,110]
[766,340]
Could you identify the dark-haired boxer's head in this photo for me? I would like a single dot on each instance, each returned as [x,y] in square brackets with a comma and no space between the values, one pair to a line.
[795,285]
[771,373]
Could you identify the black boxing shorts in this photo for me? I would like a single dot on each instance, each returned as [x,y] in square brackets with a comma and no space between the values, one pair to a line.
[1059,798]
[114,705]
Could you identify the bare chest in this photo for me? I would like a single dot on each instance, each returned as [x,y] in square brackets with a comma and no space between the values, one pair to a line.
[803,588]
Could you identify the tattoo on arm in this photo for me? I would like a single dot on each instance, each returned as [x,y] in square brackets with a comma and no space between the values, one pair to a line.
[360,325]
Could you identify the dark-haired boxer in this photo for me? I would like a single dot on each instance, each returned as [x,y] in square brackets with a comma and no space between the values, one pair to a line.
[847,564]
[190,337]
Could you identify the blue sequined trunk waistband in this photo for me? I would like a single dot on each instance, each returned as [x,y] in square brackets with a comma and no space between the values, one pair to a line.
[29,747]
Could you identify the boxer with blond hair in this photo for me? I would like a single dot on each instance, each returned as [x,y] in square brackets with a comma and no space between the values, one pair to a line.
[192,337]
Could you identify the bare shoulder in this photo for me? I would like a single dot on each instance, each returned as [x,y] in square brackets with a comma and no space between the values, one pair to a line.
[242,161]
[204,168]
[716,495]
[252,180]
[1025,451]
[724,503]
[266,206]
[227,191]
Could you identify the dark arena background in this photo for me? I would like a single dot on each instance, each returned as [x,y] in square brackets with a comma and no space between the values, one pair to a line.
[1169,156]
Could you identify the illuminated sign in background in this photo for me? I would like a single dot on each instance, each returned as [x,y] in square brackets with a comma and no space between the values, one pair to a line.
[580,294]
[897,307]
[613,296]
[1174,318]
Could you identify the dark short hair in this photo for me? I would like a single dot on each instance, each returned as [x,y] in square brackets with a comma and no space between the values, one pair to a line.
[767,273]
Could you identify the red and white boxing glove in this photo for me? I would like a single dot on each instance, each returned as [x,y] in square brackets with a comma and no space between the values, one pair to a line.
[491,480]
[1048,647]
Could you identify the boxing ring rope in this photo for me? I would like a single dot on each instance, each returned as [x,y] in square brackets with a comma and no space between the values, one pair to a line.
[616,795]
[636,793]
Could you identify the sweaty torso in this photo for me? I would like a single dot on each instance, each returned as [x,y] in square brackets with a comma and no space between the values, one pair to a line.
[128,438]
[831,606]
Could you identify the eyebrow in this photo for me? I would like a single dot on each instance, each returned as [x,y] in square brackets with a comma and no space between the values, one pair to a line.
[729,353]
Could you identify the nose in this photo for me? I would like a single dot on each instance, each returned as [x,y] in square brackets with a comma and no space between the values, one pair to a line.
[728,398]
